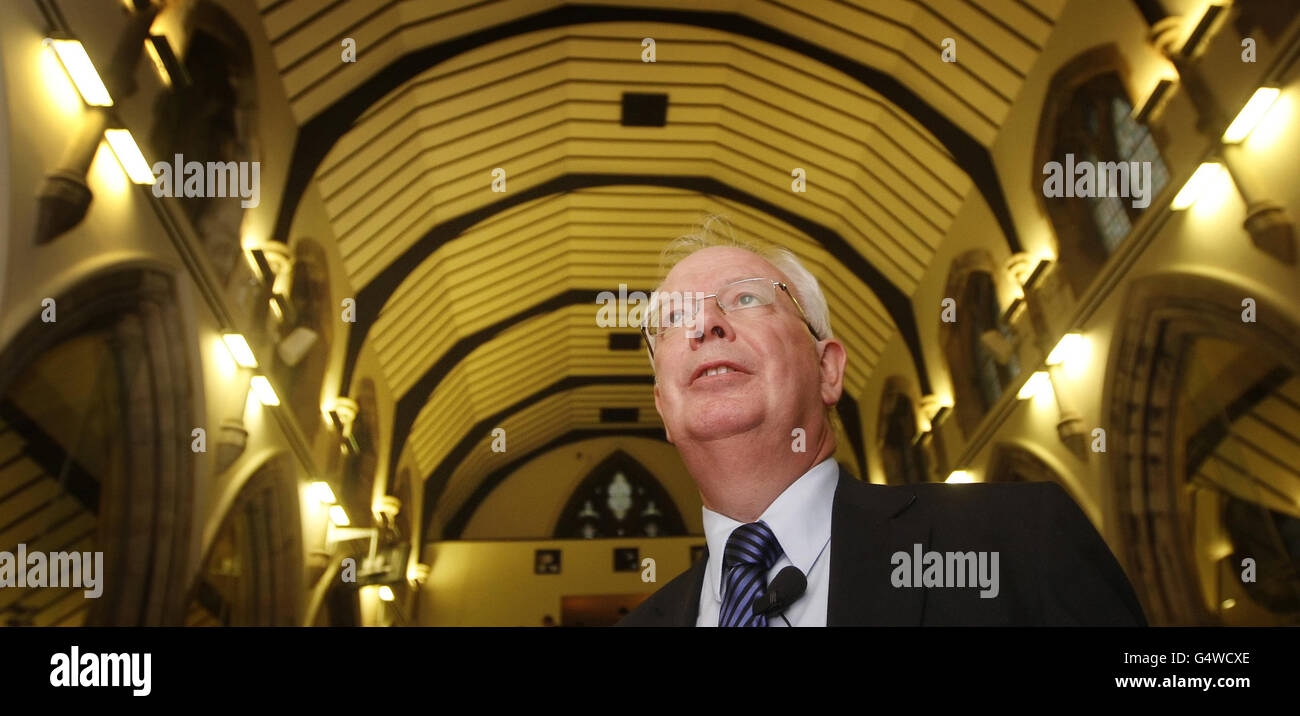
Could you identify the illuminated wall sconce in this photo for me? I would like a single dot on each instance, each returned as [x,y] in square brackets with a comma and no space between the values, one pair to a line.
[257,261]
[323,493]
[417,573]
[1040,269]
[1205,176]
[1250,115]
[128,154]
[339,516]
[1038,383]
[386,593]
[386,509]
[959,476]
[239,350]
[1018,266]
[170,70]
[265,393]
[279,261]
[934,410]
[346,410]
[1203,29]
[72,55]
[1068,349]
[277,304]
[1156,100]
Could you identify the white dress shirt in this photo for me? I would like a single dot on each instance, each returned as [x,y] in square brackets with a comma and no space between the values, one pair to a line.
[800,517]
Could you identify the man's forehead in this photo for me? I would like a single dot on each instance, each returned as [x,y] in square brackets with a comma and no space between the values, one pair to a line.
[717,266]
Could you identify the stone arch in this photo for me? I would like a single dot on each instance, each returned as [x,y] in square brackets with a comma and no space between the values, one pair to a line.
[142,510]
[1164,318]
[972,284]
[252,572]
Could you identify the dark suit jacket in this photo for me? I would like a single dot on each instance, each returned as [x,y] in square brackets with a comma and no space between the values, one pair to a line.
[1054,569]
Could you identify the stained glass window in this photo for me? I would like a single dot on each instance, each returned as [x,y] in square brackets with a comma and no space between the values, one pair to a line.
[619,498]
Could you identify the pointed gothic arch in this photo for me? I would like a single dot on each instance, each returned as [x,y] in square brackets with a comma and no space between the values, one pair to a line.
[1088,114]
[1172,401]
[252,572]
[619,497]
[136,504]
[979,377]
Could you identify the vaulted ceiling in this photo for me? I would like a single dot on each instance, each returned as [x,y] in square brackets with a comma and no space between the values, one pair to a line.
[480,305]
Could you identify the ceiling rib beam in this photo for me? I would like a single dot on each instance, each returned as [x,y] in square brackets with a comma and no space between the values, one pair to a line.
[319,134]
[374,295]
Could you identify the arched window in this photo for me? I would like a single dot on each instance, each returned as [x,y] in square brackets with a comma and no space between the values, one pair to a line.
[902,458]
[302,354]
[212,119]
[619,498]
[252,575]
[1088,117]
[979,347]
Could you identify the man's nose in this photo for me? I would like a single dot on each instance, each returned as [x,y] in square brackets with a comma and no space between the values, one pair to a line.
[710,321]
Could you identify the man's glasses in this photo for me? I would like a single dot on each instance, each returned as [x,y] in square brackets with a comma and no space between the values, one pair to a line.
[671,312]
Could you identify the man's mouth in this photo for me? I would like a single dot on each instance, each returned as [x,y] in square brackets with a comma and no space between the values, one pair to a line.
[716,368]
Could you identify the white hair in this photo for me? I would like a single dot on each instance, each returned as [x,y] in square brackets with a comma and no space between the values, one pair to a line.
[716,231]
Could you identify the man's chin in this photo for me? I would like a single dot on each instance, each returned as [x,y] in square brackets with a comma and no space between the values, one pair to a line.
[720,423]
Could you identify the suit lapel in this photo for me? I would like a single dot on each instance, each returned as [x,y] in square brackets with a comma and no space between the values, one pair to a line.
[869,523]
[688,608]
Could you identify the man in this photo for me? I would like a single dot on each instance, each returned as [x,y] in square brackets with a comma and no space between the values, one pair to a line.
[747,373]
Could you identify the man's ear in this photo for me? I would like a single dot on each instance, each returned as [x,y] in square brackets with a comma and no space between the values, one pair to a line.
[659,409]
[833,358]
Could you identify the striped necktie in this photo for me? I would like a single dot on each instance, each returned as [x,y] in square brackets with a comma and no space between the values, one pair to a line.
[751,551]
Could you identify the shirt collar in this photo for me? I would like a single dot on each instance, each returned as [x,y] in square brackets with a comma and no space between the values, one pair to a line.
[800,517]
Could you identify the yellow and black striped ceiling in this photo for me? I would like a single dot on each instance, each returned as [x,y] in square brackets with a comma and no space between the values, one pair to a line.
[480,305]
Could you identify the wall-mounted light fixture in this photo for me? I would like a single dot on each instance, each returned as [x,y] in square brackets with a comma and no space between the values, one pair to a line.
[417,573]
[257,261]
[323,493]
[128,154]
[1068,349]
[1203,29]
[1038,383]
[386,509]
[1156,100]
[72,55]
[1251,114]
[170,70]
[265,393]
[339,516]
[239,350]
[345,409]
[1205,176]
